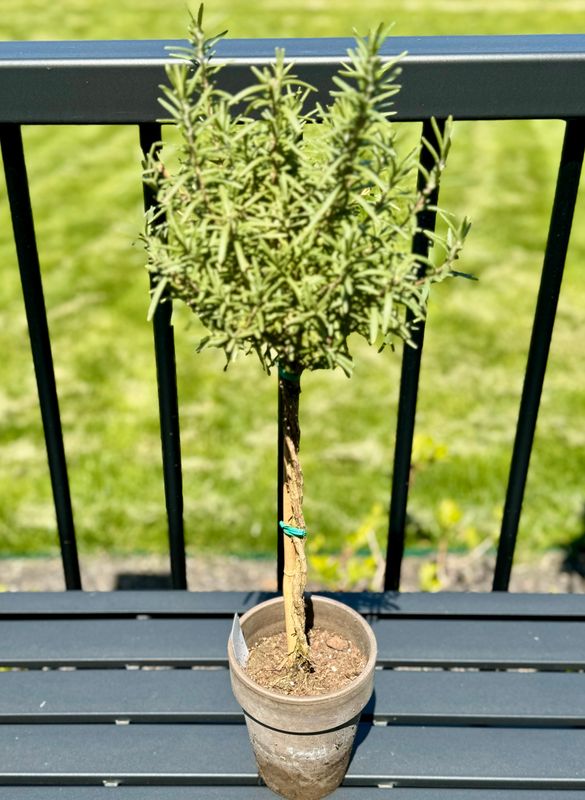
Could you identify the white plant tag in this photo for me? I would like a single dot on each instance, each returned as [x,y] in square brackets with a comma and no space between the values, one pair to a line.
[241,651]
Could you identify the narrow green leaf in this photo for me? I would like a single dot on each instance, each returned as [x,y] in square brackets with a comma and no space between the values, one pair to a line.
[155,298]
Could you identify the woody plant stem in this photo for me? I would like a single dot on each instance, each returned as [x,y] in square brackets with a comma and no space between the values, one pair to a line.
[295,562]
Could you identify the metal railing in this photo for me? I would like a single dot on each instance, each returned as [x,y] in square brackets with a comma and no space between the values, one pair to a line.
[467,77]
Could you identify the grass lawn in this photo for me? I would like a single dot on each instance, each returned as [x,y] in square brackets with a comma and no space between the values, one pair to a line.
[86,193]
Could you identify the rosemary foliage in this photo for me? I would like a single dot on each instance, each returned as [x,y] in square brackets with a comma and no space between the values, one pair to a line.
[282,243]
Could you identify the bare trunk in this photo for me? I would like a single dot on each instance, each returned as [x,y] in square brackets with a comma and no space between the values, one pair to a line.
[295,562]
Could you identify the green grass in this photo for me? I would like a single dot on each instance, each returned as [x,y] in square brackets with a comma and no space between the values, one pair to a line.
[86,194]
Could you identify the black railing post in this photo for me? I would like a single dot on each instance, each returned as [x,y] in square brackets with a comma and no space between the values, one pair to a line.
[409,380]
[38,328]
[166,373]
[550,284]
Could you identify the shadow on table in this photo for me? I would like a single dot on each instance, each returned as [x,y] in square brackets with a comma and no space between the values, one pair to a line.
[134,580]
[574,561]
[365,726]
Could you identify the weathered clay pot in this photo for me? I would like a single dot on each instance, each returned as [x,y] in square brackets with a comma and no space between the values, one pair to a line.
[303,744]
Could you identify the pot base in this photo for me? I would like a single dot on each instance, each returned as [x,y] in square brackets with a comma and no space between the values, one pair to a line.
[301,766]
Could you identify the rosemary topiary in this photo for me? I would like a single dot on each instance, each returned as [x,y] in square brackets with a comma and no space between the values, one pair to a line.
[285,243]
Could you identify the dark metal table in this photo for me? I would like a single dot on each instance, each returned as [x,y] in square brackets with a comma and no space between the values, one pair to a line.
[477,696]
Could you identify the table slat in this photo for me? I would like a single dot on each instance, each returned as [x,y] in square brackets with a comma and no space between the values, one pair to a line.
[262,793]
[204,695]
[440,757]
[185,642]
[178,603]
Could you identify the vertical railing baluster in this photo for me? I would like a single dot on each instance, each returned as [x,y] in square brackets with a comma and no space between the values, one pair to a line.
[36,315]
[409,380]
[550,284]
[164,348]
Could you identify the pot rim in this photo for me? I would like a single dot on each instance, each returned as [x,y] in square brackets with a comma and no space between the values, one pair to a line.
[338,694]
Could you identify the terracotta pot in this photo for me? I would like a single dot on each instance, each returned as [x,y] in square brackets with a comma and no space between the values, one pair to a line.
[303,744]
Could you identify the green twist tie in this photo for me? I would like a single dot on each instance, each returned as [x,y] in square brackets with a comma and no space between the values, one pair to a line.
[290,530]
[293,377]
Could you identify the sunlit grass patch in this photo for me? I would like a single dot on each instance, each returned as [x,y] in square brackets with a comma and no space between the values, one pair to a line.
[87,198]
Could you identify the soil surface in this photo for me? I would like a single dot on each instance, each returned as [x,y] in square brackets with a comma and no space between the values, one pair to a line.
[335,662]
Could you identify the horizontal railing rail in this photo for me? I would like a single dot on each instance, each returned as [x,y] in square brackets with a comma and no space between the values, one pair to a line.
[467,77]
